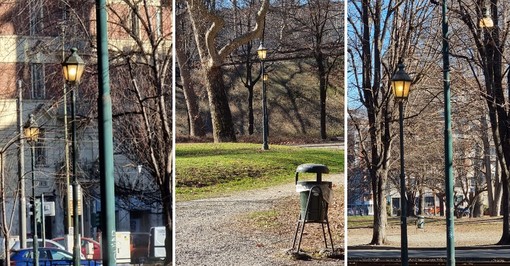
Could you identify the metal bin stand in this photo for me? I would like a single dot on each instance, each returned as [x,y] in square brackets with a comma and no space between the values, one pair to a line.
[314,201]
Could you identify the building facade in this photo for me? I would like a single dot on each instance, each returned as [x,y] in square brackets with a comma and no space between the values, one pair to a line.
[35,37]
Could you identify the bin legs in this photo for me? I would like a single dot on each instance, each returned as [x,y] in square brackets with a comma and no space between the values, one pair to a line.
[302,221]
[330,237]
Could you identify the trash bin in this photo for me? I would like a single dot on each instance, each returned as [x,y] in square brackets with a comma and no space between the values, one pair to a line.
[420,223]
[314,198]
[311,205]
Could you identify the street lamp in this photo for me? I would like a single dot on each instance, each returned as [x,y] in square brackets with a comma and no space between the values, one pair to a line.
[73,67]
[401,84]
[31,132]
[262,53]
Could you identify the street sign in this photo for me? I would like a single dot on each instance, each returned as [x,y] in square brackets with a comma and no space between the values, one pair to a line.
[70,200]
[49,208]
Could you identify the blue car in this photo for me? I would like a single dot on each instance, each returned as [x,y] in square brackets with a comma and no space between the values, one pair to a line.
[47,257]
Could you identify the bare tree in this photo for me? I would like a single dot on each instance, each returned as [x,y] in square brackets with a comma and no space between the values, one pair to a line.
[207,23]
[316,23]
[489,56]
[245,69]
[185,51]
[380,33]
[143,120]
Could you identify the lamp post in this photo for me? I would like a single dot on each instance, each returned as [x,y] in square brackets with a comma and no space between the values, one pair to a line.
[73,67]
[31,132]
[262,53]
[401,84]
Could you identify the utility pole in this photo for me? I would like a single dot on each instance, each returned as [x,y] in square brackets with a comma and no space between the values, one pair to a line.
[448,146]
[105,139]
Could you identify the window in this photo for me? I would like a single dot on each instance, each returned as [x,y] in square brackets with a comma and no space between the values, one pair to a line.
[37,75]
[59,255]
[40,150]
[159,22]
[135,22]
[36,17]
[27,255]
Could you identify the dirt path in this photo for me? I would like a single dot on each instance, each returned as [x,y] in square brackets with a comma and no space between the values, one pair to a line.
[205,235]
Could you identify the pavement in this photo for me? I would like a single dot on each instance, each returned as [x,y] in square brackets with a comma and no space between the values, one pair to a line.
[334,144]
[461,253]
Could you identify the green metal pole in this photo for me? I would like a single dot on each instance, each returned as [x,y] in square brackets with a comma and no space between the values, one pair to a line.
[43,222]
[68,223]
[21,171]
[448,146]
[105,139]
[265,145]
[76,228]
[403,195]
[35,244]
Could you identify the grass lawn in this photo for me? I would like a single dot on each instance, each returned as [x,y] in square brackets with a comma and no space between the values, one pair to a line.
[468,231]
[210,169]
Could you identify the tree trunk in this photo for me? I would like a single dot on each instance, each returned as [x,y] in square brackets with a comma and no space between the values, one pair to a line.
[441,203]
[249,84]
[422,202]
[494,191]
[411,204]
[498,192]
[251,118]
[478,206]
[505,237]
[223,127]
[4,225]
[166,196]
[380,215]
[196,124]
[319,58]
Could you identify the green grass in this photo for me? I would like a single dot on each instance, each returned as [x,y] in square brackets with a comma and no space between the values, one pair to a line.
[209,169]
[360,221]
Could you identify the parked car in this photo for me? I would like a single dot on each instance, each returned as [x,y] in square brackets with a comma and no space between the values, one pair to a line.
[49,244]
[90,248]
[47,256]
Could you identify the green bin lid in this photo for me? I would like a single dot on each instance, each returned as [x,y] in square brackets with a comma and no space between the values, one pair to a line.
[312,168]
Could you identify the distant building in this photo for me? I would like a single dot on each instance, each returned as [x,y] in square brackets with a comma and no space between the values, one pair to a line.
[35,36]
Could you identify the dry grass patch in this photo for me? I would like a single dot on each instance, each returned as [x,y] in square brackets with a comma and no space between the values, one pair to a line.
[281,221]
[468,232]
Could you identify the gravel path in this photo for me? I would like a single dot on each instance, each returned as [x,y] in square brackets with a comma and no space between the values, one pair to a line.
[204,235]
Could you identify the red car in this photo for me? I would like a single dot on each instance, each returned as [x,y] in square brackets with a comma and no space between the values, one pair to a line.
[94,252]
